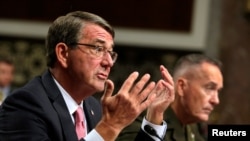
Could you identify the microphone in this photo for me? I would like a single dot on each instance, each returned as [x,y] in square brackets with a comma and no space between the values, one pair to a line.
[152,131]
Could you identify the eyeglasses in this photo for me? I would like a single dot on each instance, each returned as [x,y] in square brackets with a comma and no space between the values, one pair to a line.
[99,51]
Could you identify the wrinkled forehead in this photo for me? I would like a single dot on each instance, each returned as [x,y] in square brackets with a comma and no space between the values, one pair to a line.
[96,34]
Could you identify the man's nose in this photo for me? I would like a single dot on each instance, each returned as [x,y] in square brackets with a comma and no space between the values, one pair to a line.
[215,99]
[107,56]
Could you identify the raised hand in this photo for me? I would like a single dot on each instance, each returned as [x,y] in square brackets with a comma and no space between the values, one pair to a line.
[122,109]
[164,91]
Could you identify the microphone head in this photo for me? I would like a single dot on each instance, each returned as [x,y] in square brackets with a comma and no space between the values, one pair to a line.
[150,130]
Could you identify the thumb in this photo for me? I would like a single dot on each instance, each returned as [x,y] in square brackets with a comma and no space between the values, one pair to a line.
[108,90]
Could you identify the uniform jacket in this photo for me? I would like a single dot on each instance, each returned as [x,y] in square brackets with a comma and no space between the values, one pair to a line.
[177,132]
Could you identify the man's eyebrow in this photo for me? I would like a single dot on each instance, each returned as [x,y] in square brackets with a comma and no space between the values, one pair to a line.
[210,84]
[99,41]
[213,84]
[102,42]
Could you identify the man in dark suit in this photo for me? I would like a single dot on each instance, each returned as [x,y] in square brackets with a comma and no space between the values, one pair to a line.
[80,55]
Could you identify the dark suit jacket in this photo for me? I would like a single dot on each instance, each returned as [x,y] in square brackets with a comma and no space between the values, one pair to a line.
[38,112]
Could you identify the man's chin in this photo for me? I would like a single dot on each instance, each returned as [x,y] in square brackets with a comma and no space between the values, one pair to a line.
[100,88]
[204,118]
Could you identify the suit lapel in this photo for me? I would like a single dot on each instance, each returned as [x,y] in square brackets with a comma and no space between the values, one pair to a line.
[66,121]
[59,104]
[92,115]
[92,109]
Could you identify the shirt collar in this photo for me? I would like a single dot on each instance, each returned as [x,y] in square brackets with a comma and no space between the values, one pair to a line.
[70,102]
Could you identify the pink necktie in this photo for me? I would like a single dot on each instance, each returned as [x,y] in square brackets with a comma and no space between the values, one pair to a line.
[79,123]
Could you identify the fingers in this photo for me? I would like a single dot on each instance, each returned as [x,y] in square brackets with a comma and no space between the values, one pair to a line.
[169,83]
[166,75]
[140,84]
[129,82]
[132,88]
[160,87]
[167,92]
[137,93]
[145,98]
[109,88]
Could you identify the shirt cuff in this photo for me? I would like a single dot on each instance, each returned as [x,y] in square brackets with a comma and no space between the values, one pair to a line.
[160,129]
[93,135]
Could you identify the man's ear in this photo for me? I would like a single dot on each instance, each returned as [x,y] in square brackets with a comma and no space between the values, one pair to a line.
[181,86]
[62,54]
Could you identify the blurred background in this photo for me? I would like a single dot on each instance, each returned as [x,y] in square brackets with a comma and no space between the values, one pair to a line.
[148,33]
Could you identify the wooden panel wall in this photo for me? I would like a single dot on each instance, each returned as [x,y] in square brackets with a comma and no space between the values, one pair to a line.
[173,15]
